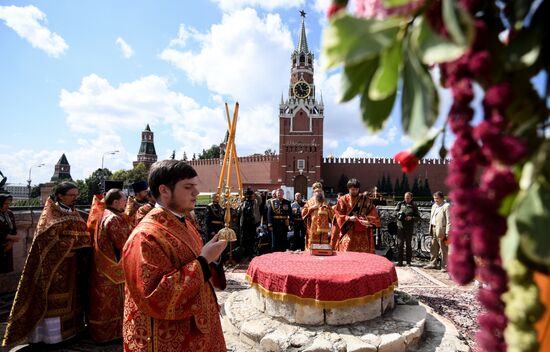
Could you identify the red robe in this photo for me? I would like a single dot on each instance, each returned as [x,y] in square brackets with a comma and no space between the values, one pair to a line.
[354,237]
[317,222]
[168,306]
[142,211]
[107,278]
[51,282]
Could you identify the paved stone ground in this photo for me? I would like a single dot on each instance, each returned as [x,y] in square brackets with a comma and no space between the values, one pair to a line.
[452,311]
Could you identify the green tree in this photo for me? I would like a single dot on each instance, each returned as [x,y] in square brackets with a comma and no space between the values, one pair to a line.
[120,175]
[138,173]
[427,190]
[35,192]
[93,183]
[397,188]
[416,187]
[343,184]
[405,184]
[33,202]
[84,193]
[212,153]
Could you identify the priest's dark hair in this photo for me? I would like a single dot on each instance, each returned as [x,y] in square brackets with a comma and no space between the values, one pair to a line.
[353,183]
[168,173]
[63,188]
[112,195]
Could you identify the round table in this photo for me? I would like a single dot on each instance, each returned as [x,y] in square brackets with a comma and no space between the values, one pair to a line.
[344,280]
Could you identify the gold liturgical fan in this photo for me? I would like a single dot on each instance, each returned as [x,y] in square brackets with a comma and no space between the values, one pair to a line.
[227,233]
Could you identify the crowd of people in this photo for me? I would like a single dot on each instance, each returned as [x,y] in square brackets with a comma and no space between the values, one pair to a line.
[142,269]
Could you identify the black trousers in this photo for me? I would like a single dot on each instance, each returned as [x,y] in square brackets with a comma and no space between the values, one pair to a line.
[279,241]
[298,240]
[404,236]
[248,239]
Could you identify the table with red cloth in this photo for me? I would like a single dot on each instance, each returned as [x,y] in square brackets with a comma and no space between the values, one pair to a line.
[345,279]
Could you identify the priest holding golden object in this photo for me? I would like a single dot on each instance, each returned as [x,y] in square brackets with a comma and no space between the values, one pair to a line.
[317,214]
[357,218]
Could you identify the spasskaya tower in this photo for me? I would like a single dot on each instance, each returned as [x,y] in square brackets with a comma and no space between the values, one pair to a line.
[301,122]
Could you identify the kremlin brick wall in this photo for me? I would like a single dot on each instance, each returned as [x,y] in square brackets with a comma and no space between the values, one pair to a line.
[262,172]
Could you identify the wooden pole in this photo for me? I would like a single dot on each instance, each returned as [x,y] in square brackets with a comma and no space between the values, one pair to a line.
[226,155]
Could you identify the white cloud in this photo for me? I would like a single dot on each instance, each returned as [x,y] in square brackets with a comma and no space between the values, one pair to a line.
[405,140]
[25,21]
[232,5]
[127,50]
[234,54]
[184,34]
[321,5]
[98,107]
[351,152]
[372,140]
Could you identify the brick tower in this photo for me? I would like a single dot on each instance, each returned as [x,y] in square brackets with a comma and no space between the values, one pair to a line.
[301,123]
[62,170]
[147,154]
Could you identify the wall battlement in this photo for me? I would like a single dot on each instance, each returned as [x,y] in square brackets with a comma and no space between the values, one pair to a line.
[242,159]
[375,161]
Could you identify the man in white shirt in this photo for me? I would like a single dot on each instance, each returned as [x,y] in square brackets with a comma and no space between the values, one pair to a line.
[440,224]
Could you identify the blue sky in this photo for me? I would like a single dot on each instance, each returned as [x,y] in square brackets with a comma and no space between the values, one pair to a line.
[85,77]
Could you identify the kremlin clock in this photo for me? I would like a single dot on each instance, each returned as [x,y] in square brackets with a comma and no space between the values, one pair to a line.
[301,89]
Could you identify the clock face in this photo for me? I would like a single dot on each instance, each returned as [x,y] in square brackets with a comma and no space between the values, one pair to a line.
[301,89]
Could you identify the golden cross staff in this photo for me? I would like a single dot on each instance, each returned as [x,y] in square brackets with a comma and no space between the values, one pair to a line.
[227,234]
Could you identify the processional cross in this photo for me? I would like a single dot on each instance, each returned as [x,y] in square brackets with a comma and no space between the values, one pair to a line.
[230,157]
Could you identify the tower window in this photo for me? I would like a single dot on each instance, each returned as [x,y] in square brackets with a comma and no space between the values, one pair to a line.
[301,164]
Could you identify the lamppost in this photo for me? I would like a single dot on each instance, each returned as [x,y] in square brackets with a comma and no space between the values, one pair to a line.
[29,180]
[102,184]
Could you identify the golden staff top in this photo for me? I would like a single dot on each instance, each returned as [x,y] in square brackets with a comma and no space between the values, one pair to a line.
[227,234]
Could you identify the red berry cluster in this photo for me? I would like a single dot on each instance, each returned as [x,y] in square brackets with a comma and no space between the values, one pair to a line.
[486,150]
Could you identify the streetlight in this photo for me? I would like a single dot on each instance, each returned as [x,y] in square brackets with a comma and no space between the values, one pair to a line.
[29,180]
[107,153]
[102,183]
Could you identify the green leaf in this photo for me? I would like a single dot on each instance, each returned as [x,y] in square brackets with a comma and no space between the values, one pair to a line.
[458,22]
[525,48]
[376,112]
[419,101]
[396,3]
[509,244]
[519,9]
[533,222]
[384,82]
[354,78]
[352,40]
[434,48]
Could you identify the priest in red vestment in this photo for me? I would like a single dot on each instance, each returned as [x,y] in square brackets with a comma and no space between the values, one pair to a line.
[48,306]
[317,214]
[107,280]
[170,304]
[357,218]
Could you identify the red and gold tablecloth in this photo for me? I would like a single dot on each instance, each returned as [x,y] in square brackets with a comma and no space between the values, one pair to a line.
[342,280]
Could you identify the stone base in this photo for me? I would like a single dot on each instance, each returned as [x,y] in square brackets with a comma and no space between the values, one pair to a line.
[395,331]
[295,313]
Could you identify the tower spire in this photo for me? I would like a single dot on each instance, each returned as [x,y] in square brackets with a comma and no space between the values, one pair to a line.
[302,42]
